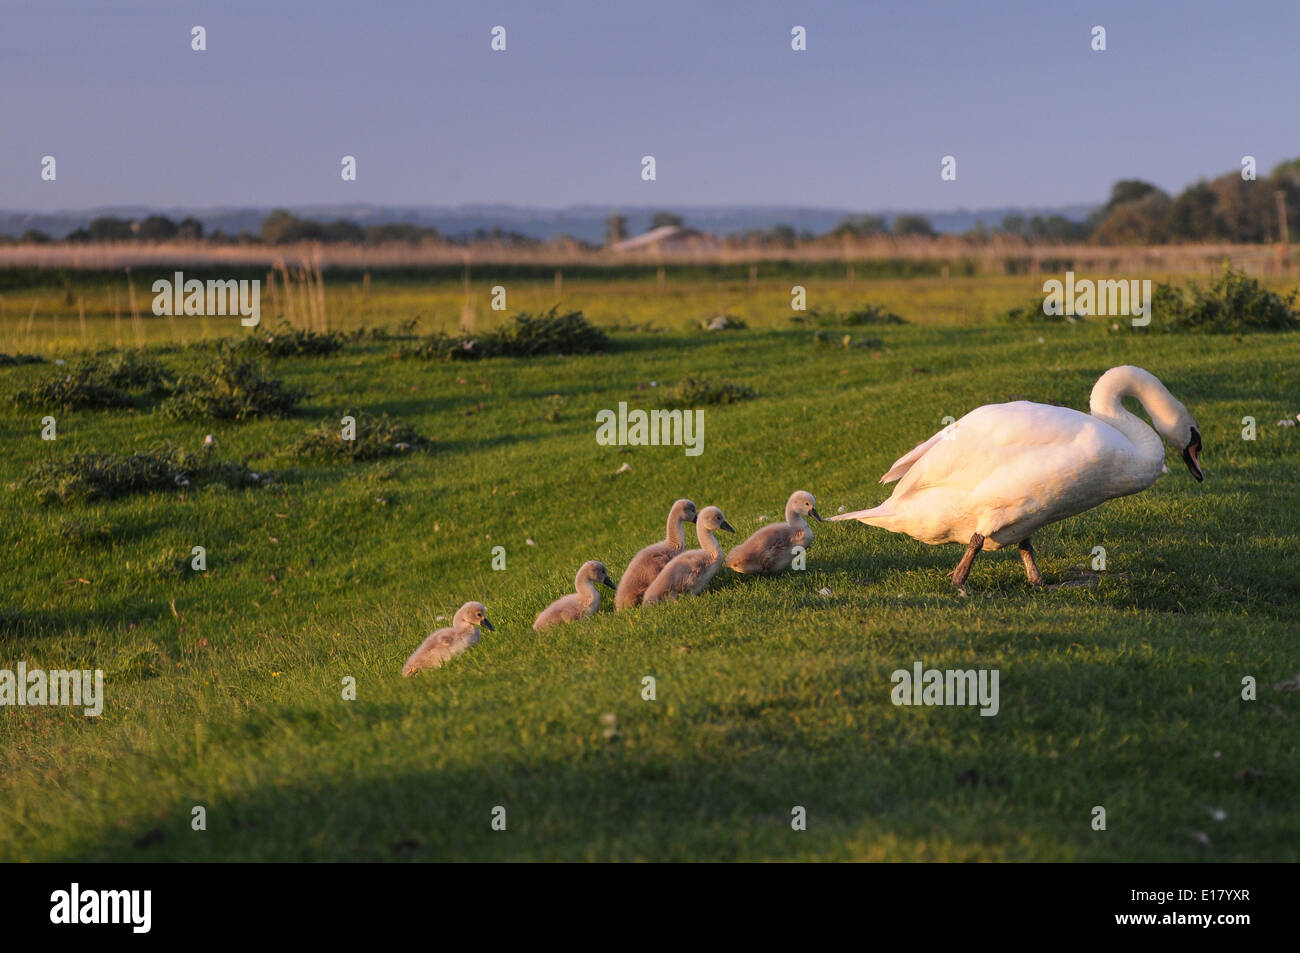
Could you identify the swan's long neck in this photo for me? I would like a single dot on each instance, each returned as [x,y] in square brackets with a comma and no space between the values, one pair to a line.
[675,539]
[1107,403]
[586,590]
[797,522]
[708,542]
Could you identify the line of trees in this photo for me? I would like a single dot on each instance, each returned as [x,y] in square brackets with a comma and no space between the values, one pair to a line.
[154,228]
[1226,209]
[280,227]
[1229,208]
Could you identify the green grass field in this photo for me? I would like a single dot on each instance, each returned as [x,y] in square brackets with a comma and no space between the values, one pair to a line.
[1120,689]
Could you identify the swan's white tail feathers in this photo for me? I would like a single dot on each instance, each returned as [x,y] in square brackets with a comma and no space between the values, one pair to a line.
[904,463]
[863,516]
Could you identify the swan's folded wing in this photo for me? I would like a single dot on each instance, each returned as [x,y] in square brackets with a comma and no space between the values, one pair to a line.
[990,438]
[1020,450]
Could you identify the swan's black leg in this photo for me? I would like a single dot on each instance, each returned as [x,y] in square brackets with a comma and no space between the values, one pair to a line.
[1031,567]
[963,568]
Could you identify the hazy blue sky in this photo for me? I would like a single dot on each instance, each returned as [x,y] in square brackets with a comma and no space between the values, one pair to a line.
[112,89]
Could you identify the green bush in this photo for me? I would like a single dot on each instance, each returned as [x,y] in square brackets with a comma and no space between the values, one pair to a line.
[235,388]
[1233,302]
[108,476]
[376,436]
[9,360]
[288,341]
[529,335]
[126,370]
[692,393]
[72,393]
[97,381]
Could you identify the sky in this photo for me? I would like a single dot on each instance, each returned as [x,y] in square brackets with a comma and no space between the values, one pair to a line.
[713,90]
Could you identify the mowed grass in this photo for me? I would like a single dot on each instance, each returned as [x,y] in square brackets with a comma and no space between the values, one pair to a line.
[224,688]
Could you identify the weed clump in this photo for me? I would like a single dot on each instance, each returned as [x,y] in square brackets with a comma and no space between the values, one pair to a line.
[1233,302]
[529,335]
[129,371]
[692,393]
[69,392]
[10,360]
[288,341]
[375,436]
[110,476]
[97,381]
[234,388]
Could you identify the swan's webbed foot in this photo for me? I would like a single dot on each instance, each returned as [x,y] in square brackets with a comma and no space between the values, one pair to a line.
[958,575]
[1031,567]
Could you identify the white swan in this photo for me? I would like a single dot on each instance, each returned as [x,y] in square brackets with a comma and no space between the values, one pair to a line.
[1004,470]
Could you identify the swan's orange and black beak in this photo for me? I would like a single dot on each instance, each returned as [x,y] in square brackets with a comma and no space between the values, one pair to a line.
[1192,455]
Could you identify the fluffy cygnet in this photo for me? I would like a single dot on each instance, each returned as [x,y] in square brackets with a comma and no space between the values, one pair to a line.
[649,562]
[584,601]
[771,549]
[454,640]
[690,572]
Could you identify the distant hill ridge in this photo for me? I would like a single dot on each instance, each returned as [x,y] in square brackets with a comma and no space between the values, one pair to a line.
[585,222]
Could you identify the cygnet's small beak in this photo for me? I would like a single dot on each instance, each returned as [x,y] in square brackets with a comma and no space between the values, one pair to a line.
[727,526]
[690,517]
[817,516]
[609,582]
[488,625]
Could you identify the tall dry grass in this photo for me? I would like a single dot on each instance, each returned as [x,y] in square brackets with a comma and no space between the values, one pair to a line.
[298,291]
[304,263]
